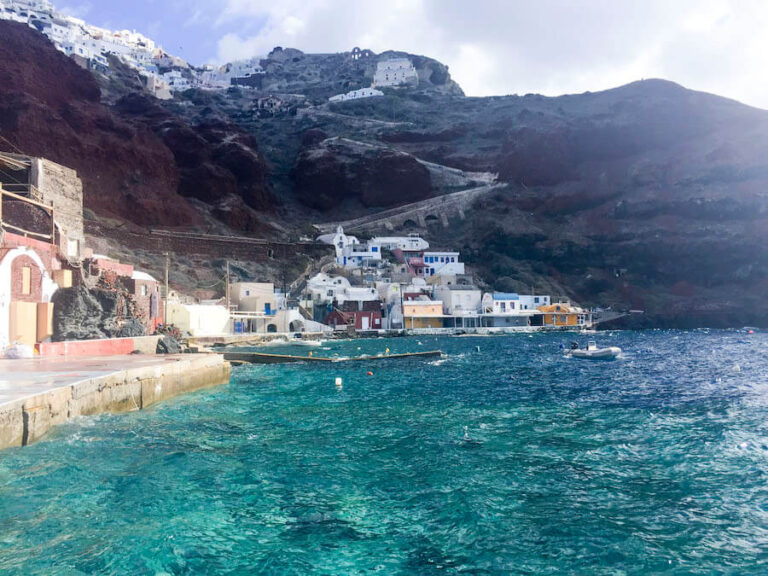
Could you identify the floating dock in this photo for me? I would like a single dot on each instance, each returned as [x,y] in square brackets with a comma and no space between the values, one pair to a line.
[261,358]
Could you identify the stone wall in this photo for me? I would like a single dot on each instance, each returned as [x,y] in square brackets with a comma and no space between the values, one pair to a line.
[61,188]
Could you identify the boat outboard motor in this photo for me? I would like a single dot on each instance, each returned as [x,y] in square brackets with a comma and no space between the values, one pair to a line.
[574,345]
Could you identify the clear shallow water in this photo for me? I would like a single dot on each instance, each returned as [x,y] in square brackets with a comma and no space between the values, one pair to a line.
[655,463]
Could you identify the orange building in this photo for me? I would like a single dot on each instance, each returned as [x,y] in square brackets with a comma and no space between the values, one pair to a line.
[562,315]
[423,314]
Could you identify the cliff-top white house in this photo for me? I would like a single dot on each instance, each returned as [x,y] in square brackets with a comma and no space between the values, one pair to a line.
[395,72]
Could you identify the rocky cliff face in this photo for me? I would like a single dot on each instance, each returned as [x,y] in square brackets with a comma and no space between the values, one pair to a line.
[136,161]
[647,196]
[82,314]
[330,174]
[320,76]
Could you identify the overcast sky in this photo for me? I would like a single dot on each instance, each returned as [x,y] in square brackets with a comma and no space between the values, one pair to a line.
[491,46]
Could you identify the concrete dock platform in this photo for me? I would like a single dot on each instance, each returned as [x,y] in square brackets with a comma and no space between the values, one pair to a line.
[40,393]
[264,358]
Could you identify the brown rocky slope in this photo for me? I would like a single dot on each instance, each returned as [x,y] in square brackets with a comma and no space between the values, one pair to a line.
[137,162]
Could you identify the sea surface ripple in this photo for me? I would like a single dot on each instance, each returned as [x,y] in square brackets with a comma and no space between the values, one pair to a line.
[501,458]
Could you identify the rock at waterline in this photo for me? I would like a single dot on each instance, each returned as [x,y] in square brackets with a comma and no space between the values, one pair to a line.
[168,345]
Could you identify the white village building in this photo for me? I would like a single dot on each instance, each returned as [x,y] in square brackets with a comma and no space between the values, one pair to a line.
[356,95]
[395,72]
[442,264]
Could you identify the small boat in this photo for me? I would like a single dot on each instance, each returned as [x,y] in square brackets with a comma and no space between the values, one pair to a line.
[592,352]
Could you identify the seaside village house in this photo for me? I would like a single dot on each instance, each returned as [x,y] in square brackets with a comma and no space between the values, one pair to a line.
[140,287]
[363,315]
[564,315]
[41,250]
[258,308]
[41,229]
[507,310]
[335,302]
[422,314]
[198,320]
[461,303]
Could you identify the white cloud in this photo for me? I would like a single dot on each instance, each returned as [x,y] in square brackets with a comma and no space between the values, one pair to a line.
[80,10]
[548,46]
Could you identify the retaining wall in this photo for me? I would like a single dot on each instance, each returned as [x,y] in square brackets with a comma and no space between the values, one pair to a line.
[27,420]
[105,347]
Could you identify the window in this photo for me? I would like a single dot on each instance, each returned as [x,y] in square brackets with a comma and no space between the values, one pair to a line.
[536,300]
[143,289]
[503,306]
[374,248]
[247,292]
[26,280]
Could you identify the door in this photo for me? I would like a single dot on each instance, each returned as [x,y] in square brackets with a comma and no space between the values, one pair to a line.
[366,323]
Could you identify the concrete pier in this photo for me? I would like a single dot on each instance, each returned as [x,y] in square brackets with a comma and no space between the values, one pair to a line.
[262,358]
[40,393]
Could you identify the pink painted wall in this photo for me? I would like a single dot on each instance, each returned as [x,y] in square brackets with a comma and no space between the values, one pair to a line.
[107,347]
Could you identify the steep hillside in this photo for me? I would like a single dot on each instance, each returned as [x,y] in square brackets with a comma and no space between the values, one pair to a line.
[320,76]
[136,161]
[648,196]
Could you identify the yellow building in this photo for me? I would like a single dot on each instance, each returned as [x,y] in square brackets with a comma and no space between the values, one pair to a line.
[422,314]
[561,315]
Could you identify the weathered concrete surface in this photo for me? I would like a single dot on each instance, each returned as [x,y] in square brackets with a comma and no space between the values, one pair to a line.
[40,393]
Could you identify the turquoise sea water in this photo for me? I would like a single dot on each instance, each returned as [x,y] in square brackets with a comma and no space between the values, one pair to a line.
[510,459]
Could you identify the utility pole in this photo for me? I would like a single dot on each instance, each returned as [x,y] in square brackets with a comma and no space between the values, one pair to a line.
[165,300]
[230,324]
[227,294]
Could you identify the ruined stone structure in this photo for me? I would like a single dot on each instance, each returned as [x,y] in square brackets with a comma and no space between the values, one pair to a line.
[61,189]
[53,185]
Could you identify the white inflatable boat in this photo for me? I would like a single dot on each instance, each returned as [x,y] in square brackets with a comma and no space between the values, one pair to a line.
[592,352]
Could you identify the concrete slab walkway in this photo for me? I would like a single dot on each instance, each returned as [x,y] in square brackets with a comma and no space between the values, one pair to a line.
[39,393]
[20,379]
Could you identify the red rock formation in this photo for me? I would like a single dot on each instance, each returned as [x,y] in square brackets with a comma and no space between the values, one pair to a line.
[137,161]
[50,107]
[327,175]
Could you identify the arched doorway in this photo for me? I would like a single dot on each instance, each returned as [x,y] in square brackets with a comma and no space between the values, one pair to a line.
[39,285]
[271,328]
[296,326]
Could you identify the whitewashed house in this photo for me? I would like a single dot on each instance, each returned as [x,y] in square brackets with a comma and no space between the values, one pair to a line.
[410,243]
[442,264]
[356,95]
[395,72]
[510,310]
[459,299]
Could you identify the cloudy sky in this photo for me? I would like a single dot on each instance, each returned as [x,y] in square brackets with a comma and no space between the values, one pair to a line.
[491,46]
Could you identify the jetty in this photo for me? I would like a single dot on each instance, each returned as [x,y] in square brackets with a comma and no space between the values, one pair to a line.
[262,358]
[38,394]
